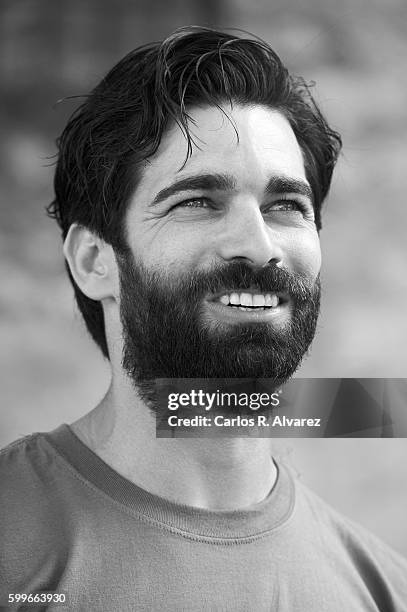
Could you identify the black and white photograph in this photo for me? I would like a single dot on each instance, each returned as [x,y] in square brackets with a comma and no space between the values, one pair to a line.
[203,382]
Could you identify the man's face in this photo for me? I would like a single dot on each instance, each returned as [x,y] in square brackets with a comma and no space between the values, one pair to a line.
[222,275]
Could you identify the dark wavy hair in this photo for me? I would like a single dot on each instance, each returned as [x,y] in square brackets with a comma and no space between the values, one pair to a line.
[122,121]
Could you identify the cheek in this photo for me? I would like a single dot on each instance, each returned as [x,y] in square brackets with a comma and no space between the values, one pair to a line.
[304,254]
[174,254]
[165,245]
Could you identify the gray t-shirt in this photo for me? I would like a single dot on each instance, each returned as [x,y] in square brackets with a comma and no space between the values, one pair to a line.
[71,524]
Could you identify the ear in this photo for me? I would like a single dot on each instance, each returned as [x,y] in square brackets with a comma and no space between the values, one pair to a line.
[92,263]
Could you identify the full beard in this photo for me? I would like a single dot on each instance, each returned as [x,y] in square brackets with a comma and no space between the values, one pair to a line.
[166,335]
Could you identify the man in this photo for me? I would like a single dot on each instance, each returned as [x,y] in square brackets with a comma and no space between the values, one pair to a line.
[188,190]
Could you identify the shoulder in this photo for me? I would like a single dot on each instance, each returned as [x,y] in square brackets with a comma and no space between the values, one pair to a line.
[35,481]
[353,549]
[32,528]
[20,464]
[24,467]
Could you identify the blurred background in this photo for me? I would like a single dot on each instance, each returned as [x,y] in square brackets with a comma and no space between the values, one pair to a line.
[356,51]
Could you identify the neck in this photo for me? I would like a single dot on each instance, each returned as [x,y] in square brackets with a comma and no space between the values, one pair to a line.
[215,474]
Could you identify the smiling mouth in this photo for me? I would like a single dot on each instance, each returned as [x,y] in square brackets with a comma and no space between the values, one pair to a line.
[249,301]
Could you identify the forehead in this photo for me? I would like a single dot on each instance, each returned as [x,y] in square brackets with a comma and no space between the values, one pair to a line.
[251,143]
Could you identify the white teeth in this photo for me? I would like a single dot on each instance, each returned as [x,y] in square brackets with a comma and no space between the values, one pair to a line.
[249,300]
[246,299]
[259,300]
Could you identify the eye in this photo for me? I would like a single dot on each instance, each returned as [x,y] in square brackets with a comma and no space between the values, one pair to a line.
[194,203]
[287,205]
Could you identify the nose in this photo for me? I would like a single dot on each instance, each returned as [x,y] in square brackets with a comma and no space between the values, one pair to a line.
[247,236]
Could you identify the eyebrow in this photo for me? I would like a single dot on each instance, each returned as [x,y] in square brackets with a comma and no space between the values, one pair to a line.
[283,184]
[208,182]
[225,182]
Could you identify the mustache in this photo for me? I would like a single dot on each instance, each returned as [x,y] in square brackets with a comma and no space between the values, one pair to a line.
[241,276]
